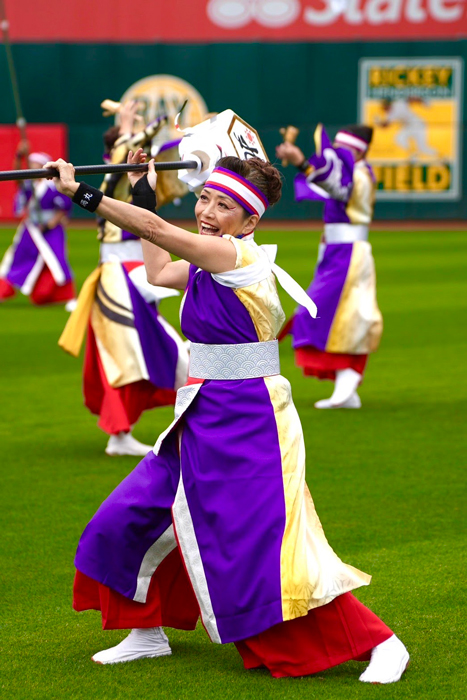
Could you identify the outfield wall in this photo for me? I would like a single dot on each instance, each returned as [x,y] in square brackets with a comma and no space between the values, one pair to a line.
[269,84]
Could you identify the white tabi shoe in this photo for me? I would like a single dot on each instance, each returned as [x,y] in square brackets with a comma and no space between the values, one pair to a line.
[126,444]
[140,644]
[353,402]
[347,381]
[388,662]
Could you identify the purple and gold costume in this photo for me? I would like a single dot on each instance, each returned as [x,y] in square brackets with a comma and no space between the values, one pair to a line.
[225,483]
[135,360]
[344,284]
[38,257]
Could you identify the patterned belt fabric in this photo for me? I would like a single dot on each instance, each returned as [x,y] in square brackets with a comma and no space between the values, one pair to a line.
[345,233]
[239,361]
[41,217]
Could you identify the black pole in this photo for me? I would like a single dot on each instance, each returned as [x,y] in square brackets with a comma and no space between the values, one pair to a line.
[20,120]
[96,170]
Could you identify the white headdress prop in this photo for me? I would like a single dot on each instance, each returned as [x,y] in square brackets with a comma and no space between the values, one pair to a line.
[224,134]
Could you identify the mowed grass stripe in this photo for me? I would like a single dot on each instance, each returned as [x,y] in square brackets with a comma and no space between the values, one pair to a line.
[387,482]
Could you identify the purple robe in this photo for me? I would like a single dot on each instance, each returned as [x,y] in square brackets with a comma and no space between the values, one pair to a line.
[228,476]
[32,249]
[343,287]
[330,181]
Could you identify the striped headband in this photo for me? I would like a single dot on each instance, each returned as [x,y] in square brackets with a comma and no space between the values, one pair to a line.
[346,139]
[240,189]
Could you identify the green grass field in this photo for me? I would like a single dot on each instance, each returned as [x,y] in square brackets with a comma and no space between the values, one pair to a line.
[386,480]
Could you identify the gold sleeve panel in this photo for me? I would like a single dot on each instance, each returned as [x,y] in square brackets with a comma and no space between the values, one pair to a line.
[262,302]
[118,155]
[120,152]
[261,299]
[247,252]
[360,206]
[168,186]
[112,233]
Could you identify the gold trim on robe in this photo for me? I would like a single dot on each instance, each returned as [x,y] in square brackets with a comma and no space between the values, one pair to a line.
[358,324]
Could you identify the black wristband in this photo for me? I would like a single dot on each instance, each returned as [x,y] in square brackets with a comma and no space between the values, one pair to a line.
[303,167]
[87,197]
[143,195]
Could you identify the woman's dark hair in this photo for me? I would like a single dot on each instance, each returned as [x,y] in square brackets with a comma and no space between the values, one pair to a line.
[110,136]
[259,172]
[361,130]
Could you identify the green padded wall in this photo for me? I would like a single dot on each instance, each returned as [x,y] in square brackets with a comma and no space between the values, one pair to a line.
[268,84]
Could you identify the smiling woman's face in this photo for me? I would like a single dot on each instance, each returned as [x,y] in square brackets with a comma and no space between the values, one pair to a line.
[218,214]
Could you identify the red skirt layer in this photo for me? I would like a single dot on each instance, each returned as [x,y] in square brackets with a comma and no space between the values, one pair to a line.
[118,409]
[317,363]
[170,600]
[329,635]
[340,631]
[6,289]
[46,290]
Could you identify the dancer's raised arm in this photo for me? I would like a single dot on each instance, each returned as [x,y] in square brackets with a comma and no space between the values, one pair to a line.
[215,216]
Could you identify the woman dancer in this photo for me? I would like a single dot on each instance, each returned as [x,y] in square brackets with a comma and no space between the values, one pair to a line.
[218,519]
[37,261]
[336,347]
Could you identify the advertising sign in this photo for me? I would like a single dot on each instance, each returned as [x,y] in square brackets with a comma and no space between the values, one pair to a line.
[49,138]
[235,20]
[415,108]
[165,95]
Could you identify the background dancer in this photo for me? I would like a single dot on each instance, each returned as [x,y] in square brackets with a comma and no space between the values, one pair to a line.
[134,360]
[229,474]
[37,261]
[336,345]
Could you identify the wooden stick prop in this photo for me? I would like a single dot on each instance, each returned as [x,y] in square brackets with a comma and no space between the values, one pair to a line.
[96,170]
[289,135]
[110,107]
[20,120]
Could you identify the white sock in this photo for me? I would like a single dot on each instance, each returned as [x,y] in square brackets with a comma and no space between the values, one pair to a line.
[352,402]
[388,662]
[140,644]
[347,381]
[125,444]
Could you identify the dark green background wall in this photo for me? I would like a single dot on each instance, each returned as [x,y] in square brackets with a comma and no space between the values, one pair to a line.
[269,85]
